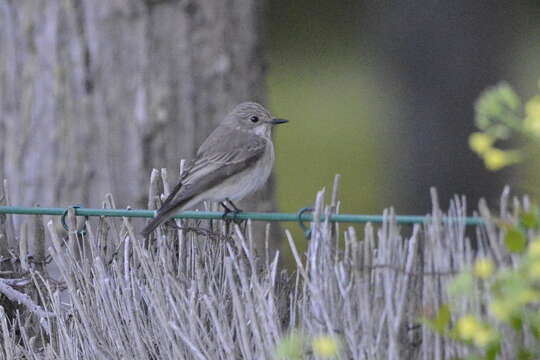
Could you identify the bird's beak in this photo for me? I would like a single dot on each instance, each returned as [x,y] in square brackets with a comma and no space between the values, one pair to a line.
[278,121]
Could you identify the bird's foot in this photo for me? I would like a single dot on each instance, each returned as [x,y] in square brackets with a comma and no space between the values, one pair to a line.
[229,207]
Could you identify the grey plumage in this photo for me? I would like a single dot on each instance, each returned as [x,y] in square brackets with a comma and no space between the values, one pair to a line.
[235,160]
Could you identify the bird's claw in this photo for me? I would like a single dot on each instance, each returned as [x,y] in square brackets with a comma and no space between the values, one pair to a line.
[227,210]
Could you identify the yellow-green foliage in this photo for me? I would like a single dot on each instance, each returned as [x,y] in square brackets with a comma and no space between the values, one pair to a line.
[295,346]
[513,302]
[501,115]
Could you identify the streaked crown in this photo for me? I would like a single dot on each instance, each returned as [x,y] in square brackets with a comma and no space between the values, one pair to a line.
[249,114]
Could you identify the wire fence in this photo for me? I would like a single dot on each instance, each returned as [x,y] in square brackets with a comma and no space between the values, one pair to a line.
[367,288]
[301,216]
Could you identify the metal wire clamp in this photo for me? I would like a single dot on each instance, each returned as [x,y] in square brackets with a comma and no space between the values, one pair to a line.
[66,227]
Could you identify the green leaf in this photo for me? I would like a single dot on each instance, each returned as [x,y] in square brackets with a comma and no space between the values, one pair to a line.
[442,320]
[291,347]
[461,284]
[492,351]
[497,110]
[529,219]
[515,240]
[524,354]
[516,323]
[535,331]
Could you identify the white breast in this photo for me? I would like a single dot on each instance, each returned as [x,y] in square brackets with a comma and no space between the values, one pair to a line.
[255,177]
[245,182]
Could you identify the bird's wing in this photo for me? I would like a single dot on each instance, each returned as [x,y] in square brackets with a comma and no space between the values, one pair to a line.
[218,158]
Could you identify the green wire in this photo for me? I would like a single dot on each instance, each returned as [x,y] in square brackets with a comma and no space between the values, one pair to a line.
[209,215]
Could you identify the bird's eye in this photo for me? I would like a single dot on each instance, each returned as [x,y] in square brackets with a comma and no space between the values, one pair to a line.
[254,119]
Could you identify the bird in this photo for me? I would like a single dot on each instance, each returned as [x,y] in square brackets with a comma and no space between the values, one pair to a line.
[234,161]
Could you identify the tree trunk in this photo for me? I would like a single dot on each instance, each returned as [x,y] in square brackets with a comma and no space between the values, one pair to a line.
[93,94]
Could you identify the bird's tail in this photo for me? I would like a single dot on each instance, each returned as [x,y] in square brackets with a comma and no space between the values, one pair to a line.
[160,218]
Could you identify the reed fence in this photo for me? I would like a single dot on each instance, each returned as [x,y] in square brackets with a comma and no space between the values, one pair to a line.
[199,290]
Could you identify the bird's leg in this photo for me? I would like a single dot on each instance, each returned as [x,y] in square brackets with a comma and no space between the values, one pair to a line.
[235,208]
[226,210]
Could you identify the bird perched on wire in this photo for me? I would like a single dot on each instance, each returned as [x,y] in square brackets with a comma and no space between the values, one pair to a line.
[234,161]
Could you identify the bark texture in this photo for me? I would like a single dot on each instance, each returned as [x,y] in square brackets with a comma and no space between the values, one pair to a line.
[93,94]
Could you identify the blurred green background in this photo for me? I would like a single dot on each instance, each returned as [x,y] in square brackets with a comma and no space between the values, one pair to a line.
[317,81]
[383,92]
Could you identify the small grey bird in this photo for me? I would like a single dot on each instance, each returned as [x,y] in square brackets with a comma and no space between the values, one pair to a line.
[234,161]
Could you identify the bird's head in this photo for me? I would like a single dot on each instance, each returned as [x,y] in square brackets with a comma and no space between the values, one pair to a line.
[252,117]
